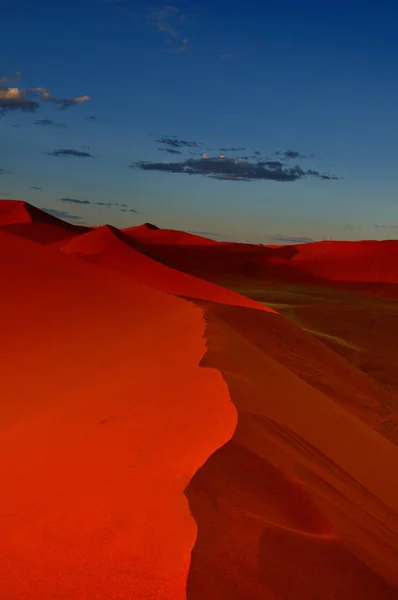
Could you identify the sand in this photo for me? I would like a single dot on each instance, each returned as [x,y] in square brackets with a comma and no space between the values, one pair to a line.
[163,437]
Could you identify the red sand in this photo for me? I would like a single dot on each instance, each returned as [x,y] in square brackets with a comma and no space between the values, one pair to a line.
[25,220]
[151,234]
[107,247]
[107,418]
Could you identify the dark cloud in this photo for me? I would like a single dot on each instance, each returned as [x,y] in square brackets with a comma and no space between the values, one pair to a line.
[70,152]
[35,187]
[293,155]
[49,123]
[62,214]
[232,149]
[203,232]
[74,201]
[23,105]
[92,118]
[233,169]
[174,142]
[87,202]
[170,150]
[85,147]
[4,172]
[290,240]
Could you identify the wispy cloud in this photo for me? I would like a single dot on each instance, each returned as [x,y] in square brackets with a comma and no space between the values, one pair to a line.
[36,187]
[168,19]
[175,142]
[92,119]
[293,155]
[229,169]
[387,226]
[62,214]
[50,123]
[4,194]
[290,239]
[4,172]
[70,152]
[105,204]
[232,149]
[170,150]
[12,78]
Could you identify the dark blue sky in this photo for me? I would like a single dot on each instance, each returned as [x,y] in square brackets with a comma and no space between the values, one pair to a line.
[177,84]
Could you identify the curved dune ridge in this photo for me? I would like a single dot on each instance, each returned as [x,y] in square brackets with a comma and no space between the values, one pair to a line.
[153,235]
[109,248]
[106,416]
[154,447]
[25,220]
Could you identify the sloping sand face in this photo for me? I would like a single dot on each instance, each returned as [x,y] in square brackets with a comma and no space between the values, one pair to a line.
[106,246]
[105,417]
[302,503]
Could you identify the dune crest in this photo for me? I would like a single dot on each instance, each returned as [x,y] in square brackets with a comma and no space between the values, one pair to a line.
[102,433]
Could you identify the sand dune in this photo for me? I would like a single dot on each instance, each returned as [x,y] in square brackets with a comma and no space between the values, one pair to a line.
[117,396]
[105,418]
[25,220]
[107,247]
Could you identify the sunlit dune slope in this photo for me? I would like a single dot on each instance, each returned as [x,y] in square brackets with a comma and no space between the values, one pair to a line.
[25,220]
[365,261]
[105,417]
[302,503]
[109,248]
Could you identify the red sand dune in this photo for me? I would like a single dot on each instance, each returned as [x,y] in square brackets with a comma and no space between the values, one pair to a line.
[107,247]
[366,261]
[151,234]
[25,220]
[108,418]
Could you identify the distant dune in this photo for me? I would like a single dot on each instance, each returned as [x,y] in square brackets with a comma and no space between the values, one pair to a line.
[166,437]
[25,220]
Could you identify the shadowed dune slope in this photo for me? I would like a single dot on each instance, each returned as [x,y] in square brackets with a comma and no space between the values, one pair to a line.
[301,503]
[105,417]
[109,248]
[22,219]
[151,234]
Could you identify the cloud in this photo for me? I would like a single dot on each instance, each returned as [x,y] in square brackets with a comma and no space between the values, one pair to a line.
[70,152]
[203,232]
[36,187]
[49,123]
[232,149]
[85,202]
[92,118]
[15,77]
[74,201]
[290,239]
[170,150]
[29,99]
[290,154]
[62,214]
[230,169]
[174,142]
[387,226]
[168,19]
[4,194]
[4,172]
[85,146]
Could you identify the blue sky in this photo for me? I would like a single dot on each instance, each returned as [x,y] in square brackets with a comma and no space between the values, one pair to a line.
[308,92]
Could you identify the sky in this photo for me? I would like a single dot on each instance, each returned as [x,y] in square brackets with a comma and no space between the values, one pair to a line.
[255,121]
